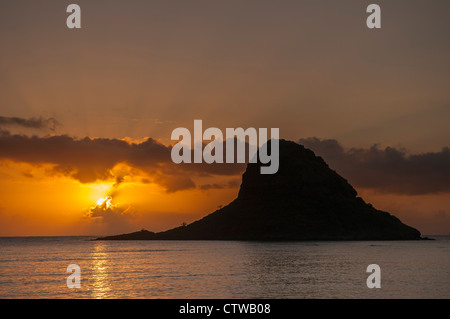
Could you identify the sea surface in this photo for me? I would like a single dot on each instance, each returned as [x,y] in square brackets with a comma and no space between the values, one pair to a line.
[36,267]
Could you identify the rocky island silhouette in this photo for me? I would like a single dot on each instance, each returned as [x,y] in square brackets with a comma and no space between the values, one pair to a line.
[304,200]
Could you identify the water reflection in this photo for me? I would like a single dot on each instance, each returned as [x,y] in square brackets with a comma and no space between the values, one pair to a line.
[100,272]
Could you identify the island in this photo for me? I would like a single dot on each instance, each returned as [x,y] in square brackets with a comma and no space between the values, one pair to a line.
[304,200]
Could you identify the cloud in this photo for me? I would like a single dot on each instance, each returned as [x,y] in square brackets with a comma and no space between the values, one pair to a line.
[88,160]
[113,217]
[85,160]
[389,169]
[107,209]
[92,159]
[173,183]
[35,123]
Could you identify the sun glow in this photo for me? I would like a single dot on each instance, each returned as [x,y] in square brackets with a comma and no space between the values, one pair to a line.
[101,201]
[105,203]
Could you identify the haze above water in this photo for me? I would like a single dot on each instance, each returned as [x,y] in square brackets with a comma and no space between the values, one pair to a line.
[35,267]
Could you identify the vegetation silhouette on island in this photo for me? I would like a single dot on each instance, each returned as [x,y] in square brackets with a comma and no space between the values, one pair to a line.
[304,200]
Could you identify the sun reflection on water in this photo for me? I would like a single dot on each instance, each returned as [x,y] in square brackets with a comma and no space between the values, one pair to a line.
[100,272]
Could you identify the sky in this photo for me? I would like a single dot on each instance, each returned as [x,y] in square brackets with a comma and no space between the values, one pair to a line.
[88,113]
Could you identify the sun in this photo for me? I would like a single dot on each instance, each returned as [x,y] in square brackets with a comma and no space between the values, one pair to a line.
[101,201]
[105,203]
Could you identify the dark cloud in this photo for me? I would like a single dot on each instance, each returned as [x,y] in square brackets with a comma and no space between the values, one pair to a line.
[173,183]
[86,159]
[387,169]
[35,123]
[90,159]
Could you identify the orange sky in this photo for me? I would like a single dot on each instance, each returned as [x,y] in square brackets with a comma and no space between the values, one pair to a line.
[140,69]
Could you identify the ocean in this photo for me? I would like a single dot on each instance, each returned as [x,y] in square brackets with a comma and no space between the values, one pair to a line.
[36,267]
